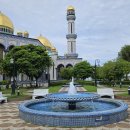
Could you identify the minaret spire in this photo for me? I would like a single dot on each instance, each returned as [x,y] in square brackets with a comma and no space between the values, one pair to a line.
[71,36]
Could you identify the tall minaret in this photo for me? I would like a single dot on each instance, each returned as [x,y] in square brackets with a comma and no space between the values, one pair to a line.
[71,36]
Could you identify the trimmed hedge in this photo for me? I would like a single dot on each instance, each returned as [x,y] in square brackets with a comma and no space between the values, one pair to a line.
[59,82]
[83,82]
[4,82]
[117,82]
[63,82]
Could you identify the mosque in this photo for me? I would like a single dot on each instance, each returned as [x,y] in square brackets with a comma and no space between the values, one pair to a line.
[8,40]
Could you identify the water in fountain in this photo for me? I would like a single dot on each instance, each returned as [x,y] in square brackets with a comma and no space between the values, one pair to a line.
[72,89]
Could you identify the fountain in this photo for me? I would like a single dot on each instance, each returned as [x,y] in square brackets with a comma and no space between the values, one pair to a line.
[73,109]
[72,90]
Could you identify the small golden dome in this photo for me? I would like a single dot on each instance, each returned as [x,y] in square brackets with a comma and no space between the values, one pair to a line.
[53,49]
[20,33]
[70,8]
[5,21]
[26,32]
[44,41]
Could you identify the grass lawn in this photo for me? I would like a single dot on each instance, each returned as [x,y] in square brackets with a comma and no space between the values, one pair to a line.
[124,94]
[8,91]
[90,88]
[54,89]
[23,94]
[123,88]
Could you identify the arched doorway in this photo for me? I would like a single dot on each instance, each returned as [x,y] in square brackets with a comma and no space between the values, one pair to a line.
[10,47]
[69,65]
[2,48]
[59,67]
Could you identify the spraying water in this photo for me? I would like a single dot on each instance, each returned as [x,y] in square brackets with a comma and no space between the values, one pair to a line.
[72,89]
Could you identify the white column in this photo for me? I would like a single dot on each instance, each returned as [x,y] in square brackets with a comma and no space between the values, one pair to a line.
[73,25]
[3,54]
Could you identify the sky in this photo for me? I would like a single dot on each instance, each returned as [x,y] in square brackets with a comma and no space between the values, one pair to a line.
[102,26]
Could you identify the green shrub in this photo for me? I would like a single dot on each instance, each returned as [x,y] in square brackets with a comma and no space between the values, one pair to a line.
[4,82]
[83,82]
[59,82]
[117,82]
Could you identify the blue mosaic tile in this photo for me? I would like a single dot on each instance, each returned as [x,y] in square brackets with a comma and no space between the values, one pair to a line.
[73,119]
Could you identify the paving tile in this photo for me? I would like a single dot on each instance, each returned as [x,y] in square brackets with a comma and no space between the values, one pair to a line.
[5,125]
[123,125]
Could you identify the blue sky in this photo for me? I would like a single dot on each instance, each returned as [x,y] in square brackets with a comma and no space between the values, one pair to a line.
[102,26]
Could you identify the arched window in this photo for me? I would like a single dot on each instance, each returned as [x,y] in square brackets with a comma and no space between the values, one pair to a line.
[59,67]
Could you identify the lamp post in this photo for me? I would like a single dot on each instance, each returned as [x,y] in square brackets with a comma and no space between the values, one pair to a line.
[13,86]
[97,61]
[48,73]
[48,76]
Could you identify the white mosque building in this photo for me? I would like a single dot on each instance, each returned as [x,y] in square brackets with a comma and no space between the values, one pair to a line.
[9,40]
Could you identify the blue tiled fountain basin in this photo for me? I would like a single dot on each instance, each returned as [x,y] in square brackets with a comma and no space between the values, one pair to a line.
[104,112]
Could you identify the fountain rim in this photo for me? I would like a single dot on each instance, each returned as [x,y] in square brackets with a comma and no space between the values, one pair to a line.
[122,107]
[74,97]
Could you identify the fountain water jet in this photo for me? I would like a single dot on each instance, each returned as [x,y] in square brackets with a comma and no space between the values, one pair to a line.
[72,89]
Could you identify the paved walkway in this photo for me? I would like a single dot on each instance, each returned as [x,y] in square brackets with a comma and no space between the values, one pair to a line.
[79,89]
[9,120]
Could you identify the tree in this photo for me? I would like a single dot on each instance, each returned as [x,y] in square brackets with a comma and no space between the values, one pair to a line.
[108,71]
[116,70]
[125,66]
[66,73]
[82,70]
[99,73]
[125,53]
[28,59]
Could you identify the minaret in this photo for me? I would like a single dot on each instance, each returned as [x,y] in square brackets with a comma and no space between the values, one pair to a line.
[71,36]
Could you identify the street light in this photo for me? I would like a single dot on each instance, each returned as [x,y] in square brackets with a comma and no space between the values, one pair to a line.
[48,76]
[13,86]
[97,61]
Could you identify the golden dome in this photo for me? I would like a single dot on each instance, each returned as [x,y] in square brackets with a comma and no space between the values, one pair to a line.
[70,8]
[26,32]
[44,41]
[5,21]
[53,49]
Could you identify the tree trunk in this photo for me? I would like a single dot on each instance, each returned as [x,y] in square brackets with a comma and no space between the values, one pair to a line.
[30,81]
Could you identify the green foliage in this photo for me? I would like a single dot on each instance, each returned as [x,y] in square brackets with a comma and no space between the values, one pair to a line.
[66,73]
[83,82]
[57,83]
[28,59]
[110,83]
[82,70]
[125,53]
[4,82]
[115,70]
